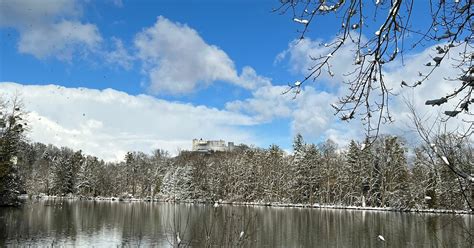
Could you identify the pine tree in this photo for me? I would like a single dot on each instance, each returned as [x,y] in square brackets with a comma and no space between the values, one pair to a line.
[12,126]
[355,175]
[312,179]
[299,169]
[65,168]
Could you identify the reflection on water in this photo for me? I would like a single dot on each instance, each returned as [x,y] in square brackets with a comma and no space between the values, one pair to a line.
[111,224]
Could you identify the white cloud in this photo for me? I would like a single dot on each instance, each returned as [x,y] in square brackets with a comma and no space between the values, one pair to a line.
[437,85]
[311,114]
[177,60]
[265,104]
[249,79]
[49,28]
[108,123]
[299,56]
[119,56]
[59,39]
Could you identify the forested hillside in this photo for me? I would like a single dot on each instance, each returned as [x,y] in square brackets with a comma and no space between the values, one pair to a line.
[380,175]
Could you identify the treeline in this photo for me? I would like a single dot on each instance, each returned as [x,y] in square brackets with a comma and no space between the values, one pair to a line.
[379,175]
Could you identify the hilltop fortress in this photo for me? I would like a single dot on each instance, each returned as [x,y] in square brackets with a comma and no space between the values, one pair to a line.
[200,145]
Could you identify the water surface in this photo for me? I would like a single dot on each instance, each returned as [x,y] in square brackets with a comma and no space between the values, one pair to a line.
[110,224]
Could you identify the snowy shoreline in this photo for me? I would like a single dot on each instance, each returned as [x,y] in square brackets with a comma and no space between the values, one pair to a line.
[258,204]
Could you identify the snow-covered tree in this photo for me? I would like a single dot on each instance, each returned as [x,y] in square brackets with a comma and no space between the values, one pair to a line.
[12,127]
[300,170]
[330,162]
[65,169]
[422,182]
[178,183]
[355,175]
[88,176]
[379,33]
[278,174]
[313,180]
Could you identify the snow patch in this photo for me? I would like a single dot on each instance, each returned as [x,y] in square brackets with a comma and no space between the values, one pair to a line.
[302,21]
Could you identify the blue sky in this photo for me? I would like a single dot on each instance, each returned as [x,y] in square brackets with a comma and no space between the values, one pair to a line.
[111,76]
[248,32]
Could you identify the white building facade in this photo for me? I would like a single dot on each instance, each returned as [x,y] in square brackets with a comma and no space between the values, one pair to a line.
[200,145]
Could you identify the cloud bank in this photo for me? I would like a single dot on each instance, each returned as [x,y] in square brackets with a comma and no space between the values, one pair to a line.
[108,123]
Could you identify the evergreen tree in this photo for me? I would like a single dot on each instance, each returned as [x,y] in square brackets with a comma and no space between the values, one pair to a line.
[353,175]
[299,169]
[64,172]
[12,126]
[312,159]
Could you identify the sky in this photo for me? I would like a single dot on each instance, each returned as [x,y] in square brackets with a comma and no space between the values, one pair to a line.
[113,76]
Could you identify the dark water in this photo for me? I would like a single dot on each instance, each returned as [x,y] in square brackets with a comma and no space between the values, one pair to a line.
[112,224]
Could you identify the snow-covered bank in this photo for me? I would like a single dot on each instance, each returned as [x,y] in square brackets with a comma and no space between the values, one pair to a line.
[388,209]
[90,198]
[264,204]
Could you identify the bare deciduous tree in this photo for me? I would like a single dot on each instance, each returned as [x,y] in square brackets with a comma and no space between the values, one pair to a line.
[382,31]
[453,149]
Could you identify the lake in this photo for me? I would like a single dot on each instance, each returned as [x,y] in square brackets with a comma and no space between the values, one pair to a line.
[57,222]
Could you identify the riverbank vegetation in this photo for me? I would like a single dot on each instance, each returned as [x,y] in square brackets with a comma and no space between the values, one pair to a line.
[384,174]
